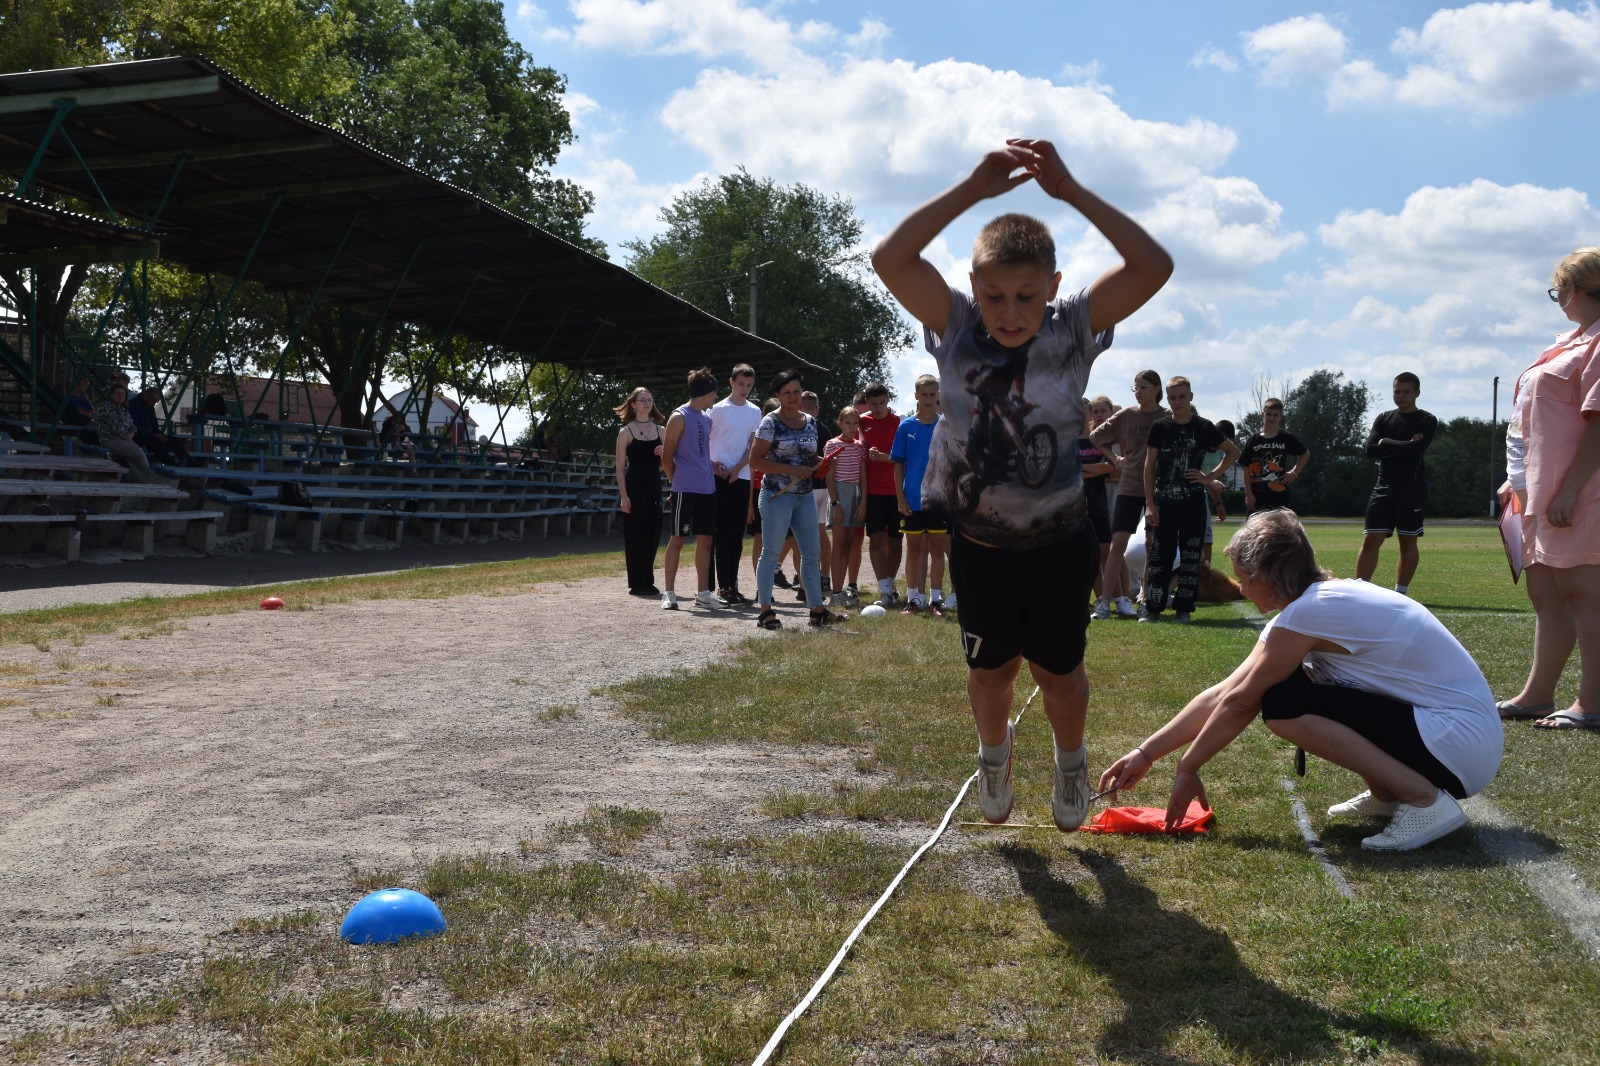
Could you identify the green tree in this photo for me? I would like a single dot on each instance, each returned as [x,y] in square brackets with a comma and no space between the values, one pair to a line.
[1466,463]
[438,84]
[816,294]
[1329,415]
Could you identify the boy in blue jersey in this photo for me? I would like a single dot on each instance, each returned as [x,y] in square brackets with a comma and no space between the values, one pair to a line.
[926,529]
[1023,557]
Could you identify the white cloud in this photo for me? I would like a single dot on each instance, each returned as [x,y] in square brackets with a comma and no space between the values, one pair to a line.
[870,39]
[1482,59]
[1304,48]
[895,131]
[1444,238]
[1211,56]
[1499,57]
[707,29]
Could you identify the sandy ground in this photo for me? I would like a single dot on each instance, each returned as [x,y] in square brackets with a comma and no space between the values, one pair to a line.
[156,787]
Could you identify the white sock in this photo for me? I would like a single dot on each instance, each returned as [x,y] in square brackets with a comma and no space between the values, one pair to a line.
[1071,760]
[997,754]
[886,587]
[1401,589]
[914,595]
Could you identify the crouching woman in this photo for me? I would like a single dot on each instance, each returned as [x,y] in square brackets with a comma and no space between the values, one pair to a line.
[1360,676]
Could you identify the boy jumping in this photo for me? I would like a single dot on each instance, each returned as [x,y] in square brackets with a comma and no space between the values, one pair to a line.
[1022,559]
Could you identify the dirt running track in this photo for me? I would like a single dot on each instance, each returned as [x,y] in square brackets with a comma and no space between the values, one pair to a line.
[155,788]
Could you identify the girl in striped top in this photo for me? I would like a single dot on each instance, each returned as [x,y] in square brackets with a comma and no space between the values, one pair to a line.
[846,457]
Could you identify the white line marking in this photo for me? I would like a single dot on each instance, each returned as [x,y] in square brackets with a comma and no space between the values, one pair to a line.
[1314,844]
[1556,883]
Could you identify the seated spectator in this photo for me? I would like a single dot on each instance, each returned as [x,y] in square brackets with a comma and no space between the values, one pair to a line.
[147,432]
[79,410]
[116,429]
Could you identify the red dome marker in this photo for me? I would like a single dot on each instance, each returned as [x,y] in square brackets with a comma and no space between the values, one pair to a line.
[271,603]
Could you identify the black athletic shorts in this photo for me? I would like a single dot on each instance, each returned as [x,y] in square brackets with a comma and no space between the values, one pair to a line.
[1094,495]
[933,520]
[1035,603]
[883,512]
[1129,509]
[692,514]
[1397,508]
[1389,723]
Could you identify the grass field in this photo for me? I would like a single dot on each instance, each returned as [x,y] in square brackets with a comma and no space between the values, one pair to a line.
[1012,945]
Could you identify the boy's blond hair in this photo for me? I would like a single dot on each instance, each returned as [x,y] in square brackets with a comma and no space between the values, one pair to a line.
[1180,380]
[1014,240]
[926,379]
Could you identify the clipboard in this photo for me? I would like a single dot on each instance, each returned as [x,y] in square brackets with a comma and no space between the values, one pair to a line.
[1511,535]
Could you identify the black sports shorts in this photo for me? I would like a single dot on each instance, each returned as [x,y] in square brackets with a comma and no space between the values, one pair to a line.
[883,512]
[932,520]
[1389,723]
[692,514]
[1125,516]
[1397,508]
[1033,603]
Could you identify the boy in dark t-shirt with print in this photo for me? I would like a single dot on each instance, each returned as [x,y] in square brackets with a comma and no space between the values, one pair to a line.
[1397,440]
[1022,557]
[1176,499]
[1272,460]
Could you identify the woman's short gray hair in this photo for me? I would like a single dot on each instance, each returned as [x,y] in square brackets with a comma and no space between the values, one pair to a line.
[1272,547]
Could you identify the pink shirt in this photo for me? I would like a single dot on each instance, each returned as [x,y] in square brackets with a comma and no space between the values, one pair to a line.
[1557,395]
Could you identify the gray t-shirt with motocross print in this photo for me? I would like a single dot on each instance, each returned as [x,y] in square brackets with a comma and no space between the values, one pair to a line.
[1004,462]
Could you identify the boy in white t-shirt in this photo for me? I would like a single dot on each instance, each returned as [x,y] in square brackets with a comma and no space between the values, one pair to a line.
[733,426]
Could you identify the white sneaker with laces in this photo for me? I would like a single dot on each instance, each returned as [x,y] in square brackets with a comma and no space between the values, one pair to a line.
[1069,801]
[669,601]
[1125,608]
[1102,610]
[1365,805]
[1412,827]
[950,601]
[707,598]
[995,794]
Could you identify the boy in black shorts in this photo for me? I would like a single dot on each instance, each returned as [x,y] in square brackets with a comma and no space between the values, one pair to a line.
[1023,557]
[1397,440]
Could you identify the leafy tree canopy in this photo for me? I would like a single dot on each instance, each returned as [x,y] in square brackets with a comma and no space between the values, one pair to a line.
[816,294]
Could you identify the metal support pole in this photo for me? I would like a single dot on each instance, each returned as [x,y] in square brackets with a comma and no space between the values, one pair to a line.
[63,105]
[1494,427]
[445,337]
[525,390]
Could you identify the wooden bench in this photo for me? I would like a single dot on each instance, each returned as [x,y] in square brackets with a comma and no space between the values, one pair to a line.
[45,465]
[139,530]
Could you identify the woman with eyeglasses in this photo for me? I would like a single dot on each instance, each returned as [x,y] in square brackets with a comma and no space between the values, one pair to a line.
[1552,451]
[1125,434]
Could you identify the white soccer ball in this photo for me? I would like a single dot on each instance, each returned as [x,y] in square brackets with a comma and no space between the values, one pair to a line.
[873,610]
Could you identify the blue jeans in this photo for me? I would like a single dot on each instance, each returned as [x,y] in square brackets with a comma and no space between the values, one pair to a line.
[781,515]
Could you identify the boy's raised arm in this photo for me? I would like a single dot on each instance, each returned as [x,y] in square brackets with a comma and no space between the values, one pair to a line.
[914,281]
[1145,266]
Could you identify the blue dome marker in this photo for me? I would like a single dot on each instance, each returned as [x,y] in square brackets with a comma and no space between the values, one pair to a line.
[391,914]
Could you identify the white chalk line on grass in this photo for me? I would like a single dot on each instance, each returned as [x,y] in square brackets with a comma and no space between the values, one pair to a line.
[1555,882]
[849,941]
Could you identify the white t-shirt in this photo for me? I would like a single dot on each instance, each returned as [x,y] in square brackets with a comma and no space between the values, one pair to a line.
[1400,650]
[732,425]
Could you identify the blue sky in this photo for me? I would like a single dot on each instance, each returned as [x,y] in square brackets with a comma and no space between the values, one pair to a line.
[1364,186]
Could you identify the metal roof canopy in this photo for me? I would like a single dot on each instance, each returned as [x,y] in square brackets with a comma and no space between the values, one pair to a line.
[35,235]
[241,179]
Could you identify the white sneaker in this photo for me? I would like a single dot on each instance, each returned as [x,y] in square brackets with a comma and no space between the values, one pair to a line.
[1069,801]
[1365,805]
[1102,610]
[669,601]
[995,794]
[707,598]
[1412,827]
[1125,608]
[950,601]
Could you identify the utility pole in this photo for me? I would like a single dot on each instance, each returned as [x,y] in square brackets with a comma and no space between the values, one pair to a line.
[1494,427]
[754,266]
